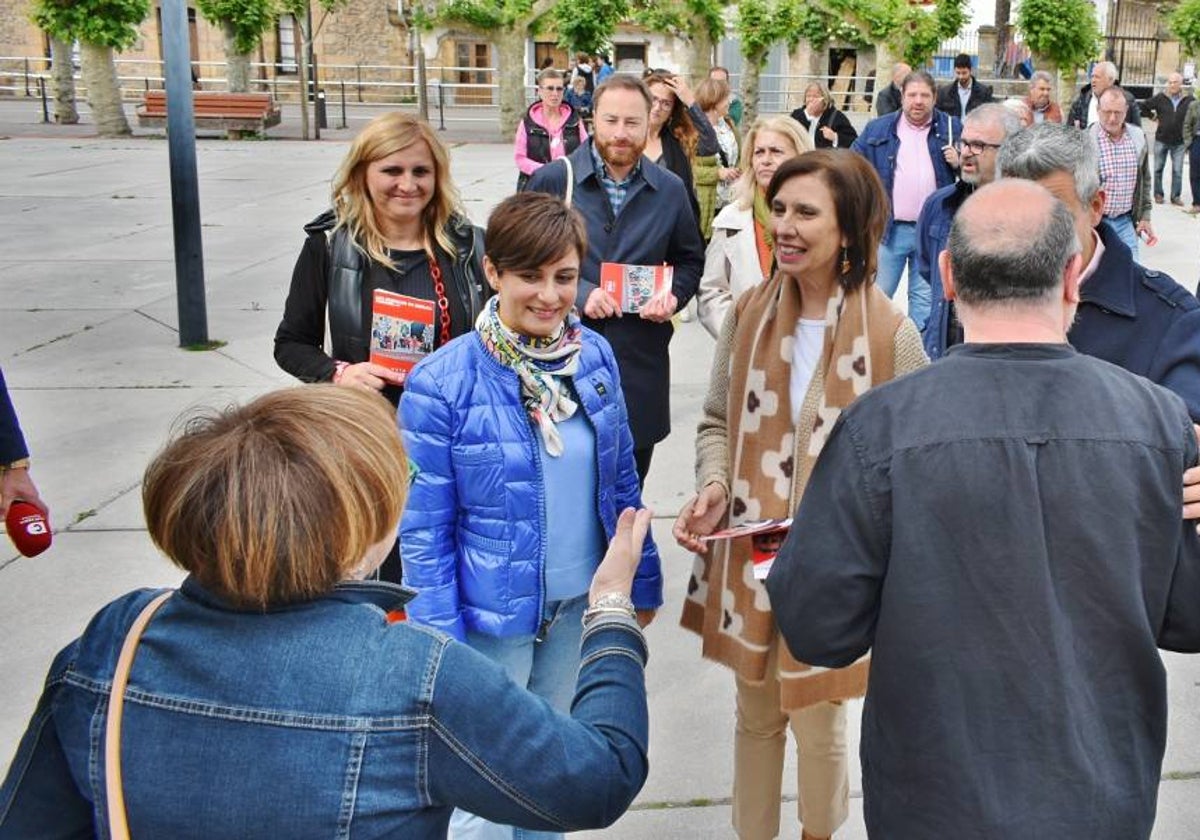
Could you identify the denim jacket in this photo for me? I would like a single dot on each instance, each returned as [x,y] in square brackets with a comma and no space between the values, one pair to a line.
[321,720]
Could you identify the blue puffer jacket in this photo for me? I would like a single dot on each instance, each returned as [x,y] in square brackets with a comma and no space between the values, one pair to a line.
[473,538]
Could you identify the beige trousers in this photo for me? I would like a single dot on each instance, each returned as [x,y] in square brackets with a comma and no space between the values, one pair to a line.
[758,745]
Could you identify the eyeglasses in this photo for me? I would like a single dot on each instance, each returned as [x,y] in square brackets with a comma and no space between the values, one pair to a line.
[664,104]
[977,147]
[552,89]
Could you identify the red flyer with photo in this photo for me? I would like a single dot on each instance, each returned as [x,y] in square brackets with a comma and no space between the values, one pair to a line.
[766,535]
[632,286]
[401,330]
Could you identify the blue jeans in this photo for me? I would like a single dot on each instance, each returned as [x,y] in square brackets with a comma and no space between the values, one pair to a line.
[894,254]
[1123,226]
[1176,151]
[549,669]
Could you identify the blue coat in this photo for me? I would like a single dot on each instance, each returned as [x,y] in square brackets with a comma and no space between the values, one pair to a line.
[473,535]
[879,143]
[933,231]
[655,226]
[12,442]
[1141,320]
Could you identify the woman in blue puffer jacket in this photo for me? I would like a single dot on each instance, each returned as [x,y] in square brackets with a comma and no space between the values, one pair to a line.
[523,459]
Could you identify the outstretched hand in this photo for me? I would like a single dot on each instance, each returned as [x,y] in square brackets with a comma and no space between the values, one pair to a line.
[615,572]
[700,517]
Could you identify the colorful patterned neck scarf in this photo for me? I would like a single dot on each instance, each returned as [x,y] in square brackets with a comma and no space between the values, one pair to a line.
[542,365]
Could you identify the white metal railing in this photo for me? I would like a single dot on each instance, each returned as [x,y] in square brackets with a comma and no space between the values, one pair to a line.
[469,91]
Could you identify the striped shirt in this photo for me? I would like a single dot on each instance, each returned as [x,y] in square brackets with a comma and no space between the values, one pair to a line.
[615,190]
[1118,171]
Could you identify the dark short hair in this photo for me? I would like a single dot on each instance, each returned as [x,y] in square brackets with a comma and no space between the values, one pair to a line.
[620,81]
[962,60]
[921,77]
[858,197]
[527,230]
[997,267]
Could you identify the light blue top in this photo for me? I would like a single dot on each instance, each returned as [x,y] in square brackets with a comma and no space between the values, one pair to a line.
[575,539]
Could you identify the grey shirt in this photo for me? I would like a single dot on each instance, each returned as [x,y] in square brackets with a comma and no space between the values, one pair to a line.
[1002,530]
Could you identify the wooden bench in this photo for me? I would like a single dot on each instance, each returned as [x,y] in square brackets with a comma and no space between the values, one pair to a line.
[233,113]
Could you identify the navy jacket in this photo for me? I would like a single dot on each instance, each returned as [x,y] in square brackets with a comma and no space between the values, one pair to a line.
[473,534]
[933,230]
[12,442]
[879,144]
[655,226]
[1016,686]
[1141,320]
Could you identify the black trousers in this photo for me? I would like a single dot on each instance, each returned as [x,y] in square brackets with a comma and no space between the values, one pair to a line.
[642,458]
[1194,170]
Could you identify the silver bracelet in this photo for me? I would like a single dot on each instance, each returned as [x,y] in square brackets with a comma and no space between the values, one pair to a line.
[610,603]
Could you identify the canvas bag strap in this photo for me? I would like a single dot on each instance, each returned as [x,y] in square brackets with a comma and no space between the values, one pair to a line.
[118,825]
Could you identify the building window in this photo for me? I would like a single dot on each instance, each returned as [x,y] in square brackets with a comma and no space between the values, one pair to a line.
[285,53]
[629,58]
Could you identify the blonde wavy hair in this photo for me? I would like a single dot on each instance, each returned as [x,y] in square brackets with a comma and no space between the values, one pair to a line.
[385,135]
[780,124]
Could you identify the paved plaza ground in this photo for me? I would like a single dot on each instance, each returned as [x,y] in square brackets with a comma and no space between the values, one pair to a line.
[88,342]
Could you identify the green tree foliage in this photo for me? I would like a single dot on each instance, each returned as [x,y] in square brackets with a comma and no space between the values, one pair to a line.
[106,23]
[248,19]
[700,22]
[587,25]
[912,31]
[1184,23]
[101,26]
[1064,32]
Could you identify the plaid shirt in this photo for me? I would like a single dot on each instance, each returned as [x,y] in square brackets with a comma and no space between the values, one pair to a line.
[1118,172]
[616,190]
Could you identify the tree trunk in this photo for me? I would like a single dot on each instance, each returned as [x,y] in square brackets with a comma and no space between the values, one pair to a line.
[237,64]
[103,89]
[703,53]
[510,59]
[884,59]
[302,65]
[65,112]
[751,69]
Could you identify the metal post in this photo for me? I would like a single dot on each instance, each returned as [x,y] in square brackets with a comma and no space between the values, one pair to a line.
[441,106]
[343,86]
[358,76]
[27,78]
[45,104]
[185,188]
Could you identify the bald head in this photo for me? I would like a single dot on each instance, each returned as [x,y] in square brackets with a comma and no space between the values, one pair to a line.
[1001,256]
[899,71]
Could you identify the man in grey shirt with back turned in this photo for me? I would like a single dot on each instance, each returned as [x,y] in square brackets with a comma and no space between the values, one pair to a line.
[1013,564]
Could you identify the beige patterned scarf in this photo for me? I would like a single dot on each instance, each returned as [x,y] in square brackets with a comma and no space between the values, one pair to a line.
[771,460]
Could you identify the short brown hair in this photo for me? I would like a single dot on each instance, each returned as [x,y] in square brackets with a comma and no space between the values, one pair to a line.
[859,198]
[620,81]
[276,501]
[530,229]
[710,92]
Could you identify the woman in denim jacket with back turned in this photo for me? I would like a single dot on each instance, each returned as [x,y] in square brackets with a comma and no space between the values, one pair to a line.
[524,457]
[277,695]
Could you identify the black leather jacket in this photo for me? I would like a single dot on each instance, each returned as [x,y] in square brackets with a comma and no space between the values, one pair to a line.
[329,277]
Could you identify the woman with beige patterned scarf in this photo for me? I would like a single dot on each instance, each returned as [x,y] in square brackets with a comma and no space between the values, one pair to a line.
[793,352]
